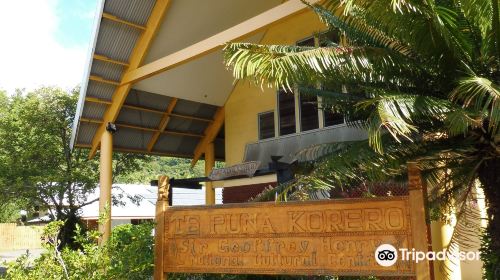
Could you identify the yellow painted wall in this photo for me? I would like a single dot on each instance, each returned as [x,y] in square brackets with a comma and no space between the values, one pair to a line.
[247,100]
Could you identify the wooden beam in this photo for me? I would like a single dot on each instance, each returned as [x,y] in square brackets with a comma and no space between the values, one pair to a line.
[209,166]
[102,80]
[417,219]
[191,118]
[109,60]
[133,107]
[136,58]
[244,29]
[131,126]
[90,120]
[161,206]
[179,133]
[210,133]
[137,151]
[97,100]
[122,21]
[163,124]
[102,101]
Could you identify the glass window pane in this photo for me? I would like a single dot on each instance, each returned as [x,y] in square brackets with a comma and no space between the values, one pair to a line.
[332,118]
[329,38]
[309,42]
[286,108]
[308,112]
[266,125]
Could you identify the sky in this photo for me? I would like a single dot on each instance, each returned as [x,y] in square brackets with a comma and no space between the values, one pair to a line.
[44,42]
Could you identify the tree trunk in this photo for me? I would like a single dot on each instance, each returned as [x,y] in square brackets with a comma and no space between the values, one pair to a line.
[489,175]
[67,233]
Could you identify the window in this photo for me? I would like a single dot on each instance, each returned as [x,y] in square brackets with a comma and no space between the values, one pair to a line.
[332,118]
[309,42]
[286,109]
[308,104]
[307,109]
[308,112]
[266,125]
[330,38]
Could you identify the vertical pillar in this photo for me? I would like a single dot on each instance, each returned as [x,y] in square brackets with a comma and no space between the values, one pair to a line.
[209,165]
[105,183]
[418,224]
[161,207]
[441,237]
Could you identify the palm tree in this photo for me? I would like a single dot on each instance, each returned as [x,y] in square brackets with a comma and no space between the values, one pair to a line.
[422,77]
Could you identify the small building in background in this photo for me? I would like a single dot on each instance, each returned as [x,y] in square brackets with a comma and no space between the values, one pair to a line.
[132,204]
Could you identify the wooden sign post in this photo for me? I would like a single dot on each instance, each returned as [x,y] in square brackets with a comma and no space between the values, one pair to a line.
[419,226]
[161,207]
[328,237]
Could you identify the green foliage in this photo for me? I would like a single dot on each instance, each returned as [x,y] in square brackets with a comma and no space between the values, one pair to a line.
[423,79]
[128,255]
[36,162]
[9,212]
[489,258]
[156,166]
[131,252]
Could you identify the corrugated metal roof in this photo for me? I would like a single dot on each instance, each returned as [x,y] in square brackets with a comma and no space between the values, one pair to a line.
[106,70]
[187,125]
[186,107]
[130,10]
[176,144]
[100,90]
[288,146]
[139,118]
[131,139]
[147,100]
[116,40]
[86,132]
[93,110]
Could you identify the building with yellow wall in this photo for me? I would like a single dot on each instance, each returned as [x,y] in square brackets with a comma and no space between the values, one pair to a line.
[155,83]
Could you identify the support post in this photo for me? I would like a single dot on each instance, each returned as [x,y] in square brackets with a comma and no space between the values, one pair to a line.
[209,166]
[450,267]
[161,207]
[105,183]
[418,223]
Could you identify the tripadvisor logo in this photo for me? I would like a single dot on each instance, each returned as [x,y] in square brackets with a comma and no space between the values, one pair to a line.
[387,255]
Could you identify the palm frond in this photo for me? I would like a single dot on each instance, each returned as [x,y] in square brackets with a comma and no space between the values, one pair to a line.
[284,66]
[355,26]
[395,113]
[481,95]
[478,12]
[459,121]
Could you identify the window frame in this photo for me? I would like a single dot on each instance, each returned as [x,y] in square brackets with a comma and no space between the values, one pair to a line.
[279,115]
[259,125]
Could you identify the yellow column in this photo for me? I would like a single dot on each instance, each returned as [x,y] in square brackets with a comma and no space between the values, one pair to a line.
[209,165]
[441,236]
[105,182]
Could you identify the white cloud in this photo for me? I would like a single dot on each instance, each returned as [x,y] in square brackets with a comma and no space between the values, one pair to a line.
[30,55]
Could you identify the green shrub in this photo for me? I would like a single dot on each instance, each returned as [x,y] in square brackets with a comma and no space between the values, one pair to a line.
[128,255]
[131,252]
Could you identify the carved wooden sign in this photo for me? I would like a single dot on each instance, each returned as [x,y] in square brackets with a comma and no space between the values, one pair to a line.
[331,237]
[247,168]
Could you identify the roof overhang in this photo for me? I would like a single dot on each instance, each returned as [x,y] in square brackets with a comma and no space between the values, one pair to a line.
[156,70]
